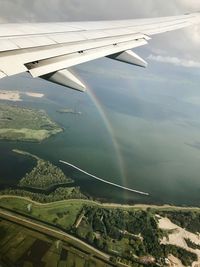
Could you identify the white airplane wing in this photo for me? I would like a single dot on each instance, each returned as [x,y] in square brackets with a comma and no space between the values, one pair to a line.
[47,50]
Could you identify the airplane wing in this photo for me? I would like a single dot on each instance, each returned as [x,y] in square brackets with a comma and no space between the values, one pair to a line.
[47,50]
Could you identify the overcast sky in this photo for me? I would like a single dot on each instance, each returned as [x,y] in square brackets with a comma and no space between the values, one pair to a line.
[59,10]
[179,48]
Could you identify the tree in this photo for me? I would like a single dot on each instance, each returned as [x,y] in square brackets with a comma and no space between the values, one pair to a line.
[90,237]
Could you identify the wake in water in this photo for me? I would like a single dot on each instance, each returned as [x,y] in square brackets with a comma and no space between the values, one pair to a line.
[104,181]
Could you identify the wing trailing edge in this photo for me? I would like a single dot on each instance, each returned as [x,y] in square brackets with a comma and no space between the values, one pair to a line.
[46,66]
[47,50]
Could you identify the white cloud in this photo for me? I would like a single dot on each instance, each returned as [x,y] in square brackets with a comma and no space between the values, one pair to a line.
[179,43]
[194,33]
[194,4]
[175,61]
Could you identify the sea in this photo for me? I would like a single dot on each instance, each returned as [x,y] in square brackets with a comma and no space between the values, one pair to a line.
[137,128]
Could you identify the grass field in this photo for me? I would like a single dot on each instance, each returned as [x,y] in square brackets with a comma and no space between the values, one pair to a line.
[59,213]
[64,216]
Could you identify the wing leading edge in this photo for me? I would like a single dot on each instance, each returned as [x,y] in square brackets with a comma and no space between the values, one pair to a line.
[47,50]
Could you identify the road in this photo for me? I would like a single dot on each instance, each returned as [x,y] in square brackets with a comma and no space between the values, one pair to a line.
[45,229]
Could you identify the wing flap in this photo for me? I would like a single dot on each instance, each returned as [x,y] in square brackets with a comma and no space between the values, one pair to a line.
[51,65]
[33,56]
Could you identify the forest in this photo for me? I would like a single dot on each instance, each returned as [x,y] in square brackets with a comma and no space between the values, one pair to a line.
[44,176]
[130,235]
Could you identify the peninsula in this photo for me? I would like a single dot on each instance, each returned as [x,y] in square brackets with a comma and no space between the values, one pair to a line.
[44,175]
[24,124]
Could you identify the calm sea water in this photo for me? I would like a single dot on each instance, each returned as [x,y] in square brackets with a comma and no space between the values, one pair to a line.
[150,142]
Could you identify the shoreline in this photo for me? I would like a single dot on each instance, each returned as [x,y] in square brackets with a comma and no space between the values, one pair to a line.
[46,189]
[105,205]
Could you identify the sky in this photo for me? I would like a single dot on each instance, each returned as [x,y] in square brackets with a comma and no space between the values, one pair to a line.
[178,48]
[57,10]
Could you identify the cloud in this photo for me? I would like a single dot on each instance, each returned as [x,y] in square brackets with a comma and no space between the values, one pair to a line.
[175,61]
[183,42]
[52,10]
[193,4]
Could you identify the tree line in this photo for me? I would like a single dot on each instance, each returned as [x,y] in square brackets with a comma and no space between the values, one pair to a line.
[44,175]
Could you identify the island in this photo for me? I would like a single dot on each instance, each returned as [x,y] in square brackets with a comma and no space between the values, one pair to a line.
[15,96]
[78,230]
[24,124]
[10,95]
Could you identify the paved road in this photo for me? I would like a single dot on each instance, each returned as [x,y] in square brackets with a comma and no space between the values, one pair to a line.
[58,234]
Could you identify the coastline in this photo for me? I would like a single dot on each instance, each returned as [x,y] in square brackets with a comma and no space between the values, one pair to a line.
[105,205]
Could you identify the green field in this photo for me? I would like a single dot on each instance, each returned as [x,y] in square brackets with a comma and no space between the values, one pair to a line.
[59,213]
[20,246]
[23,124]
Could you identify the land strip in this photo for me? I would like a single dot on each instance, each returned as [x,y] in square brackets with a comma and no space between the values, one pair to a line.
[103,205]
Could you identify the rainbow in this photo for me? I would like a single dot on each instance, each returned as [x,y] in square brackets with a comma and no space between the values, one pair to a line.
[115,146]
[110,131]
